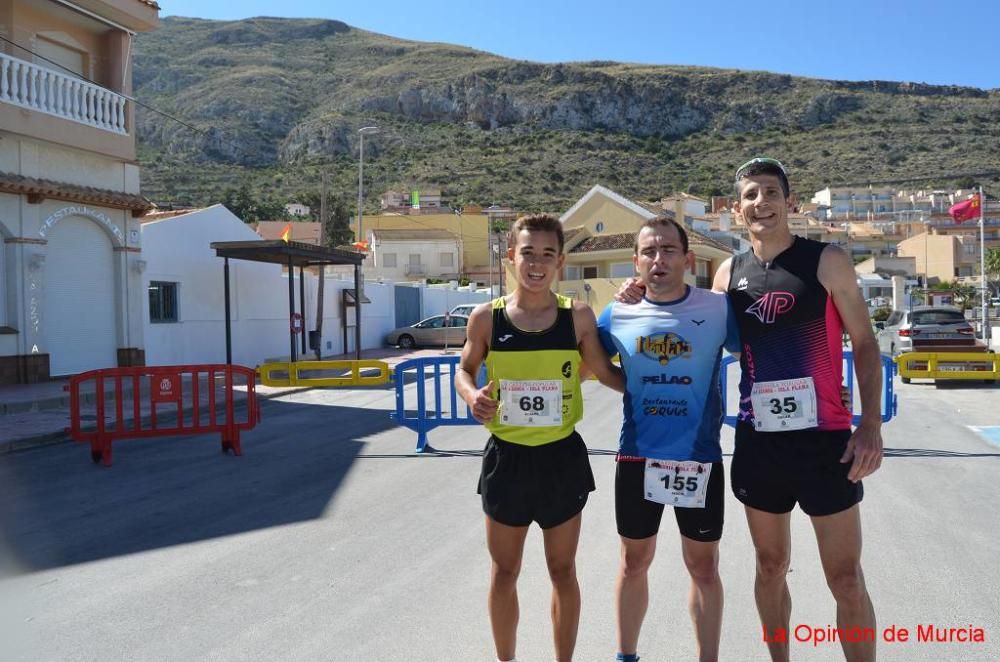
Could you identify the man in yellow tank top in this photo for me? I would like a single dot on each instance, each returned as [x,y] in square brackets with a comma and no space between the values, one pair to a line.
[535,466]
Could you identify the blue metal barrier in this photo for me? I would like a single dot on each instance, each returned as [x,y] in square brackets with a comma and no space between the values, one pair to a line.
[425,418]
[451,410]
[888,395]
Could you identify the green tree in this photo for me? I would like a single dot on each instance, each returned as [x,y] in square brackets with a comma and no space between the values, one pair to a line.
[881,314]
[337,229]
[249,208]
[964,296]
[993,269]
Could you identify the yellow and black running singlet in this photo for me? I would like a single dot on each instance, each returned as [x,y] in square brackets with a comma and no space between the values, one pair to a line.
[539,359]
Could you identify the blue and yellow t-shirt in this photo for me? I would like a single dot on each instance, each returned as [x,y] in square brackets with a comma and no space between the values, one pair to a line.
[671,353]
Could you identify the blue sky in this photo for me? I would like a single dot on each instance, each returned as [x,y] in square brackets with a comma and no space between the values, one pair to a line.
[903,40]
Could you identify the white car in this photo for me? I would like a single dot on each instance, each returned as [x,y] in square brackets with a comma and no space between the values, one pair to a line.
[463,309]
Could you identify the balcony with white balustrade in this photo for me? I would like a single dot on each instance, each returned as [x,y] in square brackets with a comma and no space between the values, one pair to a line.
[38,88]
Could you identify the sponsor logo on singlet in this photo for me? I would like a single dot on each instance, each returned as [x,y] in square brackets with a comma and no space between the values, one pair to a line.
[666,379]
[663,347]
[768,307]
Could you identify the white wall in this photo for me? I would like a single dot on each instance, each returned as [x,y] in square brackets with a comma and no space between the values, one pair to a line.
[177,250]
[694,208]
[437,301]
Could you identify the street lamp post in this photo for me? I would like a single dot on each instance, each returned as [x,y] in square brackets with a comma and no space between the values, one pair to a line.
[927,231]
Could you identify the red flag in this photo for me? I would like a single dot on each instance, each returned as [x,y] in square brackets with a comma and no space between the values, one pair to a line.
[286,234]
[963,211]
[361,245]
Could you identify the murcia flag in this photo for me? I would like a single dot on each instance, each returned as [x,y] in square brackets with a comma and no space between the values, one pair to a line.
[963,211]
[286,234]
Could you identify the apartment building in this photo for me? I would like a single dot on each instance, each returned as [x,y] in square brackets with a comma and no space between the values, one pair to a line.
[71,288]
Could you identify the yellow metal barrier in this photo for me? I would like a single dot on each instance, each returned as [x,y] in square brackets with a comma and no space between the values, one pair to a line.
[346,373]
[948,365]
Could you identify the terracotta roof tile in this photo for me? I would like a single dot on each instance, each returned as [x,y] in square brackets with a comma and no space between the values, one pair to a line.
[695,237]
[610,242]
[41,189]
[605,242]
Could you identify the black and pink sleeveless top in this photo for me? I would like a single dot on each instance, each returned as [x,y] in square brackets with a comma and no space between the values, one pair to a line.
[789,328]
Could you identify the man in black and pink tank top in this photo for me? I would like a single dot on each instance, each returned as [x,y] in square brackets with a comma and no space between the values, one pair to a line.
[789,329]
[793,298]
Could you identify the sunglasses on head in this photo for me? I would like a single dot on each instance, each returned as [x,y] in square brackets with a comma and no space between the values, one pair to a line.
[763,160]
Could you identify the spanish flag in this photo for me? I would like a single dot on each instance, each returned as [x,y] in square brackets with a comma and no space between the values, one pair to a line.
[286,234]
[361,245]
[963,211]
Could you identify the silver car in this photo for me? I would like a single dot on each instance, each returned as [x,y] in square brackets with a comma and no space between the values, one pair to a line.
[937,325]
[438,331]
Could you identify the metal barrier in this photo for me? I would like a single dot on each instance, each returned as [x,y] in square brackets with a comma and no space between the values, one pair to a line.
[888,394]
[427,416]
[949,365]
[354,377]
[162,385]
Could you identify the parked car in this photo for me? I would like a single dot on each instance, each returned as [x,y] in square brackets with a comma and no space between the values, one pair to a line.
[463,309]
[433,331]
[943,324]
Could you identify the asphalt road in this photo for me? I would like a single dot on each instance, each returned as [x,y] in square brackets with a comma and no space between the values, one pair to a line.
[331,540]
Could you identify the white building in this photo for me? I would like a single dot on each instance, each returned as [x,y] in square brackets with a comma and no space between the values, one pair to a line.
[71,261]
[184,310]
[184,307]
[413,255]
[859,202]
[684,204]
[297,209]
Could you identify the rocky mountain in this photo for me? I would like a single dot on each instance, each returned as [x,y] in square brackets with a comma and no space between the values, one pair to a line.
[276,102]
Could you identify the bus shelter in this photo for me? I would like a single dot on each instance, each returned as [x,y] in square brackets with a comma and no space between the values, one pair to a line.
[291,254]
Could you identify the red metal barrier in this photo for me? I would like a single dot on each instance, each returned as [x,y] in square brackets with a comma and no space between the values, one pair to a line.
[179,387]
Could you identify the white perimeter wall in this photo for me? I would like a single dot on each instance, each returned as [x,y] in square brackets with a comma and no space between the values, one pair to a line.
[437,301]
[177,250]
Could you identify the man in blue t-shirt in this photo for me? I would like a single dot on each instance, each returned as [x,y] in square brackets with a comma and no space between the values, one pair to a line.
[670,346]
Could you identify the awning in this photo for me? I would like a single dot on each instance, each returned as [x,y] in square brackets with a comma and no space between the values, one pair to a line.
[292,253]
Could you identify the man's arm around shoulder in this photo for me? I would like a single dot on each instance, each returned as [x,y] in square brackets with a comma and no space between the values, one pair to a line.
[593,354]
[721,281]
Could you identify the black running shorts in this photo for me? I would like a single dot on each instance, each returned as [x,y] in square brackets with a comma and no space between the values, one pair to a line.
[771,471]
[547,484]
[638,518]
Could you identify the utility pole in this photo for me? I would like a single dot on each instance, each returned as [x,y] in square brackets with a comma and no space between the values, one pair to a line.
[321,288]
[489,255]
